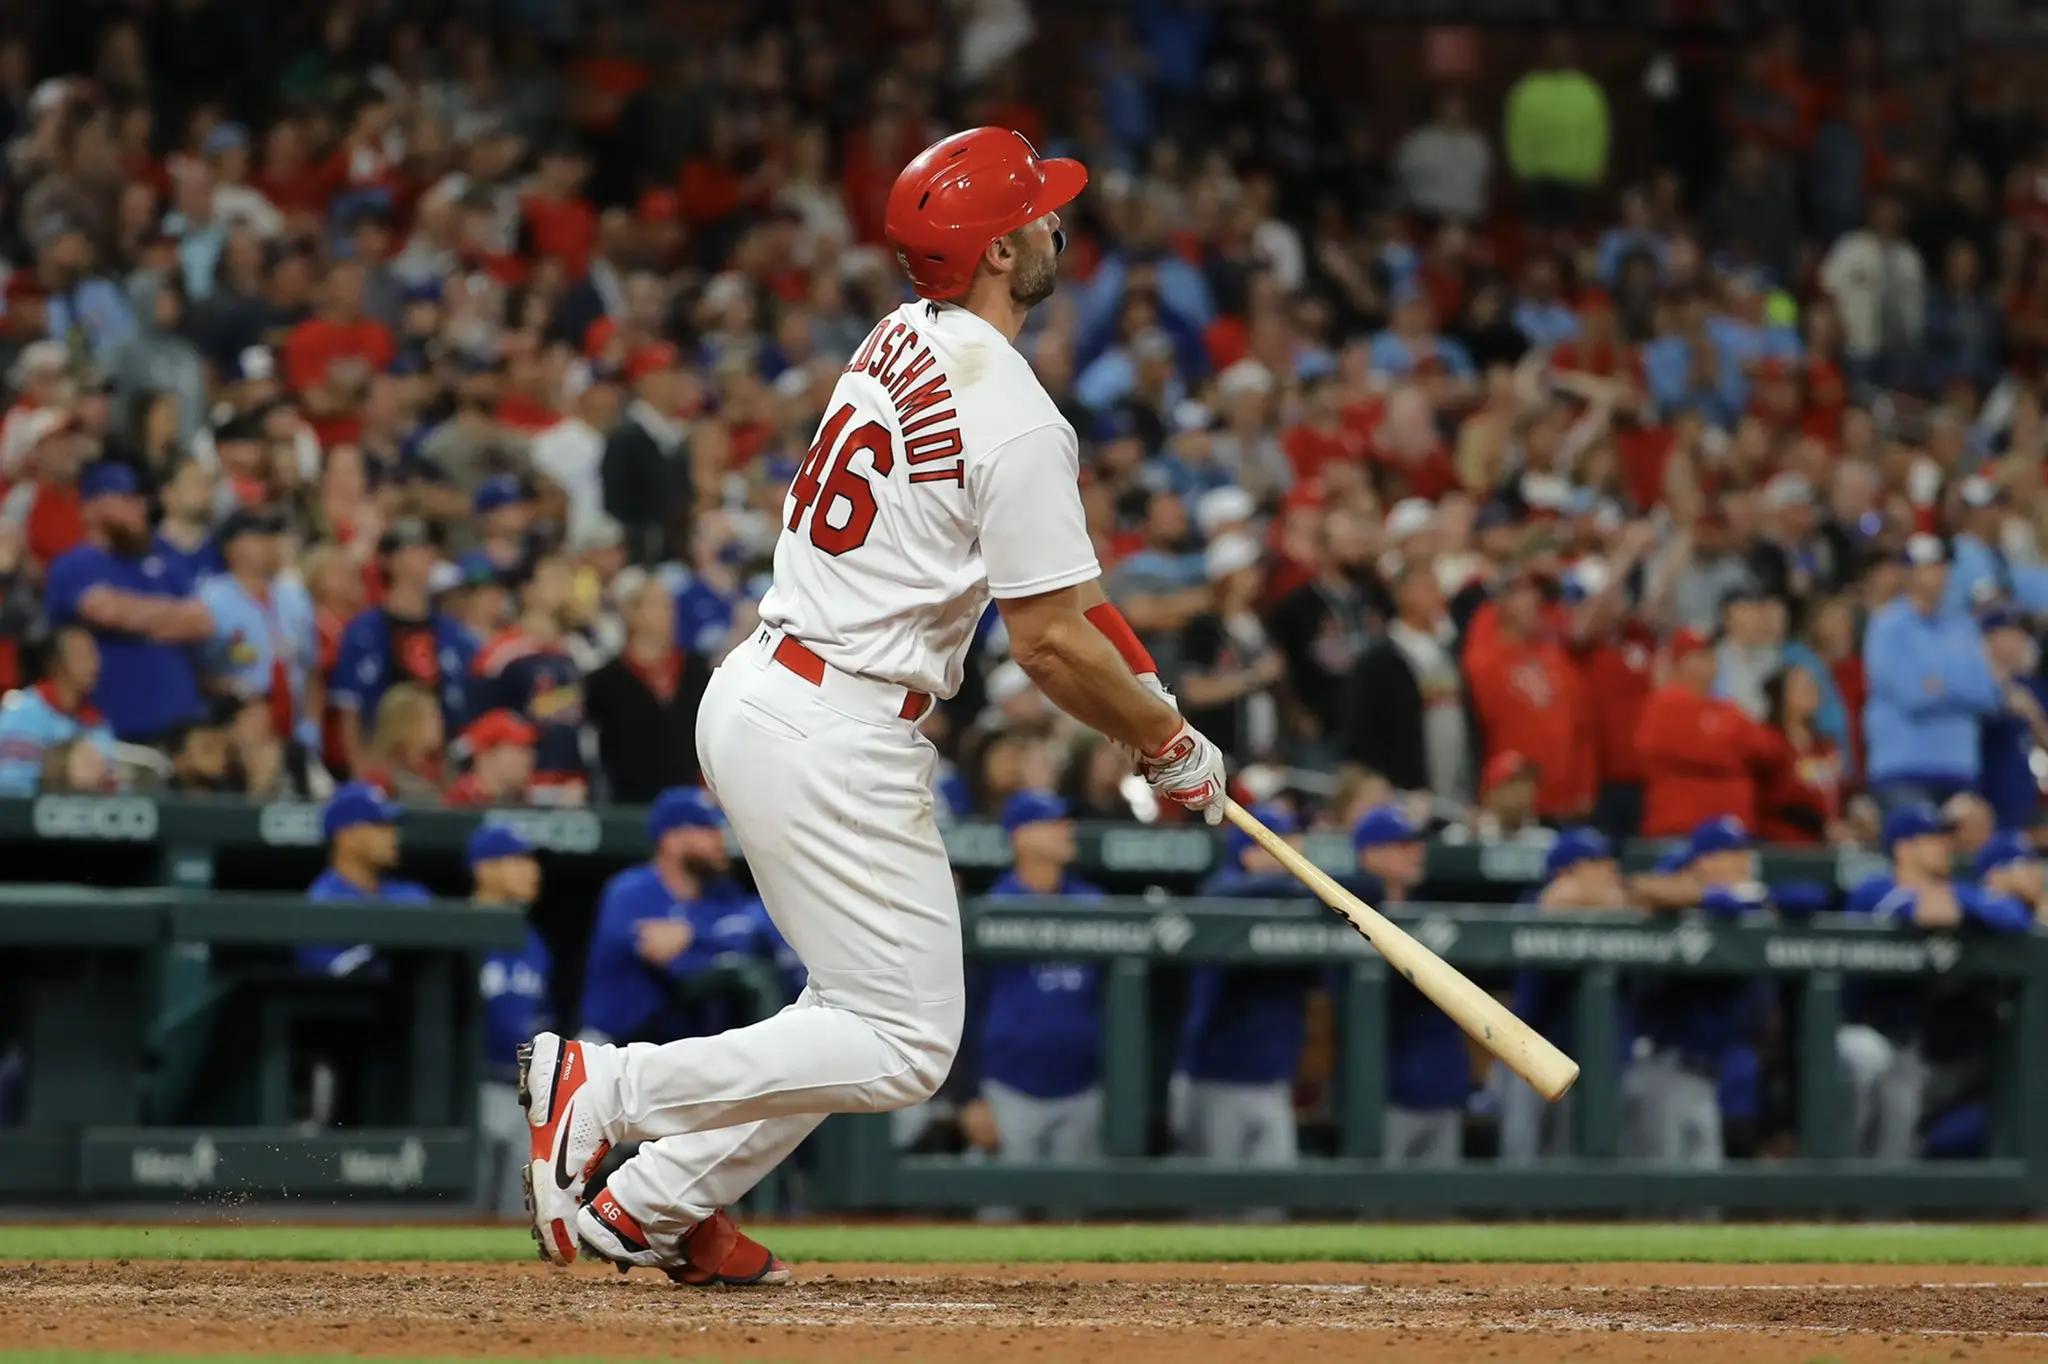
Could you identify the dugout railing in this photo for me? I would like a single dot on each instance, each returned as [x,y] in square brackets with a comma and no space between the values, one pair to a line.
[103,984]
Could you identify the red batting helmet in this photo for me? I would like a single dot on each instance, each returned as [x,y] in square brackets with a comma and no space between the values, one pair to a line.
[963,192]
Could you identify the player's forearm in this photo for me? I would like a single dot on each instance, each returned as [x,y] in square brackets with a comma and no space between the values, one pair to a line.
[1082,673]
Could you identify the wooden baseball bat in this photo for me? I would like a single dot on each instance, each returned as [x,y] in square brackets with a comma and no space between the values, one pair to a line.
[1491,1024]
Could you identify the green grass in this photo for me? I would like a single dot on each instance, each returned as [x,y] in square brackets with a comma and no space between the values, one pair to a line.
[1863,1243]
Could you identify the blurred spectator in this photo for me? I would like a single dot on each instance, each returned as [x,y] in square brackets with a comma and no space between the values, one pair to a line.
[1444,166]
[1506,812]
[1700,753]
[264,646]
[1804,774]
[1754,214]
[2019,729]
[515,988]
[1964,327]
[158,362]
[647,476]
[404,640]
[1557,135]
[139,608]
[1879,286]
[500,748]
[1040,1029]
[1930,686]
[1230,671]
[1325,630]
[529,670]
[406,751]
[203,753]
[654,927]
[1429,1073]
[1162,586]
[54,714]
[1410,709]
[1525,694]
[643,703]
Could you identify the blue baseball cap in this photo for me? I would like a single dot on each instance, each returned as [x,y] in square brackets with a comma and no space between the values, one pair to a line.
[1672,861]
[1913,821]
[493,841]
[1574,846]
[2002,850]
[1724,833]
[1273,815]
[106,479]
[358,802]
[1031,807]
[502,491]
[683,807]
[1382,825]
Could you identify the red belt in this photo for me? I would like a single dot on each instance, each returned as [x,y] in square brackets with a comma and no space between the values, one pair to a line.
[795,656]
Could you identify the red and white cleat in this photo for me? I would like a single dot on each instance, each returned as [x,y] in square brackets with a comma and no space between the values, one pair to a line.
[715,1253]
[568,1140]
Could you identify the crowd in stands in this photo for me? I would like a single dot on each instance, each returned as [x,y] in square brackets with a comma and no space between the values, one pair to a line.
[408,393]
[401,400]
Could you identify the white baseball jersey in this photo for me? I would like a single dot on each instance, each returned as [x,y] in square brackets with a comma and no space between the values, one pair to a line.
[942,475]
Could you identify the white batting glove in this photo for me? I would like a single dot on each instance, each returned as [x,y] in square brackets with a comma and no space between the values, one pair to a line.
[1188,770]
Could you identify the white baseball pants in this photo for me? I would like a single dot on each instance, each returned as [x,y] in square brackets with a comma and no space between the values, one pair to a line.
[829,793]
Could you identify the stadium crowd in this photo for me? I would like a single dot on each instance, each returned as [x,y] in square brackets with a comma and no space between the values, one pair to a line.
[407,395]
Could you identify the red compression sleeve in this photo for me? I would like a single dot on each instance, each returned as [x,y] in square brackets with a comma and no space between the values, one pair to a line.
[1110,621]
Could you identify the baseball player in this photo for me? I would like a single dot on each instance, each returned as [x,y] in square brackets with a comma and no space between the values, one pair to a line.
[1241,1039]
[1579,872]
[1429,1075]
[662,922]
[515,994]
[1671,1107]
[1041,1026]
[1904,1058]
[942,475]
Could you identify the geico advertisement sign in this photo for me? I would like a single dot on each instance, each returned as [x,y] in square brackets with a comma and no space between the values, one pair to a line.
[107,820]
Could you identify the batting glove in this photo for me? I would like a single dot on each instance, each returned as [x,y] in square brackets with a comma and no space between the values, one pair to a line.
[1188,770]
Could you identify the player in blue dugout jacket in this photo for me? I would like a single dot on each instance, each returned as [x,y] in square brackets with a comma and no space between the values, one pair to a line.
[1690,1026]
[1924,1042]
[1931,685]
[1241,1039]
[514,986]
[1429,1071]
[361,827]
[1579,873]
[663,922]
[1041,1022]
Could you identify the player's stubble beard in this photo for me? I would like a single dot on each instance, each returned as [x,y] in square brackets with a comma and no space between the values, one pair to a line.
[1035,277]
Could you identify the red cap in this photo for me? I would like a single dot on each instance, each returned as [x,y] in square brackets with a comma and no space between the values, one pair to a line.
[660,206]
[1689,641]
[649,359]
[495,728]
[1505,766]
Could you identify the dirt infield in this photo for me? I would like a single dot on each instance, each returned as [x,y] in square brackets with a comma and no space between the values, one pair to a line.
[1078,1314]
